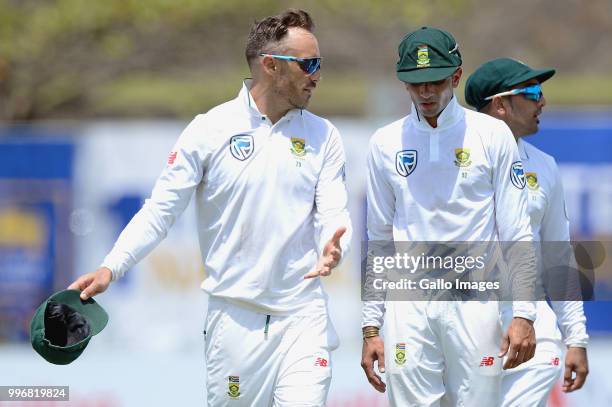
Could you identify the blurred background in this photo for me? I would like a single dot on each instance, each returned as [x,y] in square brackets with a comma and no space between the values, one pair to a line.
[93,95]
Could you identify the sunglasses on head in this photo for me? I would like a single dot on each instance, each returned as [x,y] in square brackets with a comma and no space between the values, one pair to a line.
[531,92]
[308,65]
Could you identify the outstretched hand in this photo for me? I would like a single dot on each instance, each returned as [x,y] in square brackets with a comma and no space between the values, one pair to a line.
[332,253]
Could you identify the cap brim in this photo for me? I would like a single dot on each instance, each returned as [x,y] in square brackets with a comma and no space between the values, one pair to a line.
[422,75]
[90,309]
[541,75]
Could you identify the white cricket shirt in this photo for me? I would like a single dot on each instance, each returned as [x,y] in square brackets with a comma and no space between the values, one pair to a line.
[460,181]
[268,197]
[550,223]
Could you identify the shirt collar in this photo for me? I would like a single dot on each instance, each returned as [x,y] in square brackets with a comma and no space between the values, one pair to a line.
[452,113]
[522,150]
[247,101]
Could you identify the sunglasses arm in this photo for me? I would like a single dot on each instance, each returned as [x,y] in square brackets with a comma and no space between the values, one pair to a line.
[507,93]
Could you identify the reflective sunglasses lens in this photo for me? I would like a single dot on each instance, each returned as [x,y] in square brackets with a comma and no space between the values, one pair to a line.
[310,65]
[533,96]
[533,92]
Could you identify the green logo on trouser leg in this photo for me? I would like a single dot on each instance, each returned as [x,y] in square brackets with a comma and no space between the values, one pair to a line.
[233,386]
[400,353]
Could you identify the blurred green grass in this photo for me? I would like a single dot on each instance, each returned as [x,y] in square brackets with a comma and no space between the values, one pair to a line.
[148,95]
[151,95]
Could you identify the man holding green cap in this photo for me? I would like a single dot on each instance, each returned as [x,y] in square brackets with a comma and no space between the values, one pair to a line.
[511,91]
[444,174]
[267,179]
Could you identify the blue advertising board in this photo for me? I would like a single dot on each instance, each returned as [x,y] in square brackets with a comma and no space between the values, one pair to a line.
[36,253]
[583,141]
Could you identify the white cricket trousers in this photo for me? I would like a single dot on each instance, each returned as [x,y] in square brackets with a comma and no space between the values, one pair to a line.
[443,353]
[257,360]
[530,383]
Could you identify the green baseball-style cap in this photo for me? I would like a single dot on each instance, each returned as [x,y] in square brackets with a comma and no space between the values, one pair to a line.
[63,325]
[499,75]
[427,55]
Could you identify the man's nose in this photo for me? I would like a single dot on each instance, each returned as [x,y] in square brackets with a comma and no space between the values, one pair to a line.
[425,90]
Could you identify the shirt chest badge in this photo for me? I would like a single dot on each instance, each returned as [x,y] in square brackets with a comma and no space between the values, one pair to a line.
[298,147]
[517,175]
[462,157]
[532,181]
[242,146]
[405,162]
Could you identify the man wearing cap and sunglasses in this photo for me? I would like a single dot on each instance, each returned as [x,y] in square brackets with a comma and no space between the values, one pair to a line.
[512,91]
[268,179]
[444,174]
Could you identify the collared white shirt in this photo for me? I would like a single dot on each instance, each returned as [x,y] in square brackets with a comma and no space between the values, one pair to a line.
[268,197]
[549,221]
[457,182]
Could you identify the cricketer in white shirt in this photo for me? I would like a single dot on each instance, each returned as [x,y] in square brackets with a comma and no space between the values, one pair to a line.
[260,192]
[512,91]
[269,185]
[451,348]
[531,383]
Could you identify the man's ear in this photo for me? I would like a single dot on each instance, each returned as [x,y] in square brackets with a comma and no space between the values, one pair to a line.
[499,107]
[268,65]
[456,77]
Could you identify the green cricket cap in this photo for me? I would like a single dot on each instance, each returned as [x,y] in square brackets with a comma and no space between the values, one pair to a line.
[499,75]
[427,55]
[63,325]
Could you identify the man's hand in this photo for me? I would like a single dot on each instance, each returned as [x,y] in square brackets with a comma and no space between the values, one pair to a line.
[519,342]
[331,256]
[94,283]
[575,361]
[374,349]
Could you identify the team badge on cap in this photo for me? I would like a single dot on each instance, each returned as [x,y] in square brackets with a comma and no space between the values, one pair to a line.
[517,175]
[400,353]
[242,146]
[462,157]
[405,162]
[422,56]
[233,386]
[532,181]
[298,146]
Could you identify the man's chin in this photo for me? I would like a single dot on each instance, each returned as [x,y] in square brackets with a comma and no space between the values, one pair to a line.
[431,113]
[534,129]
[529,132]
[301,105]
